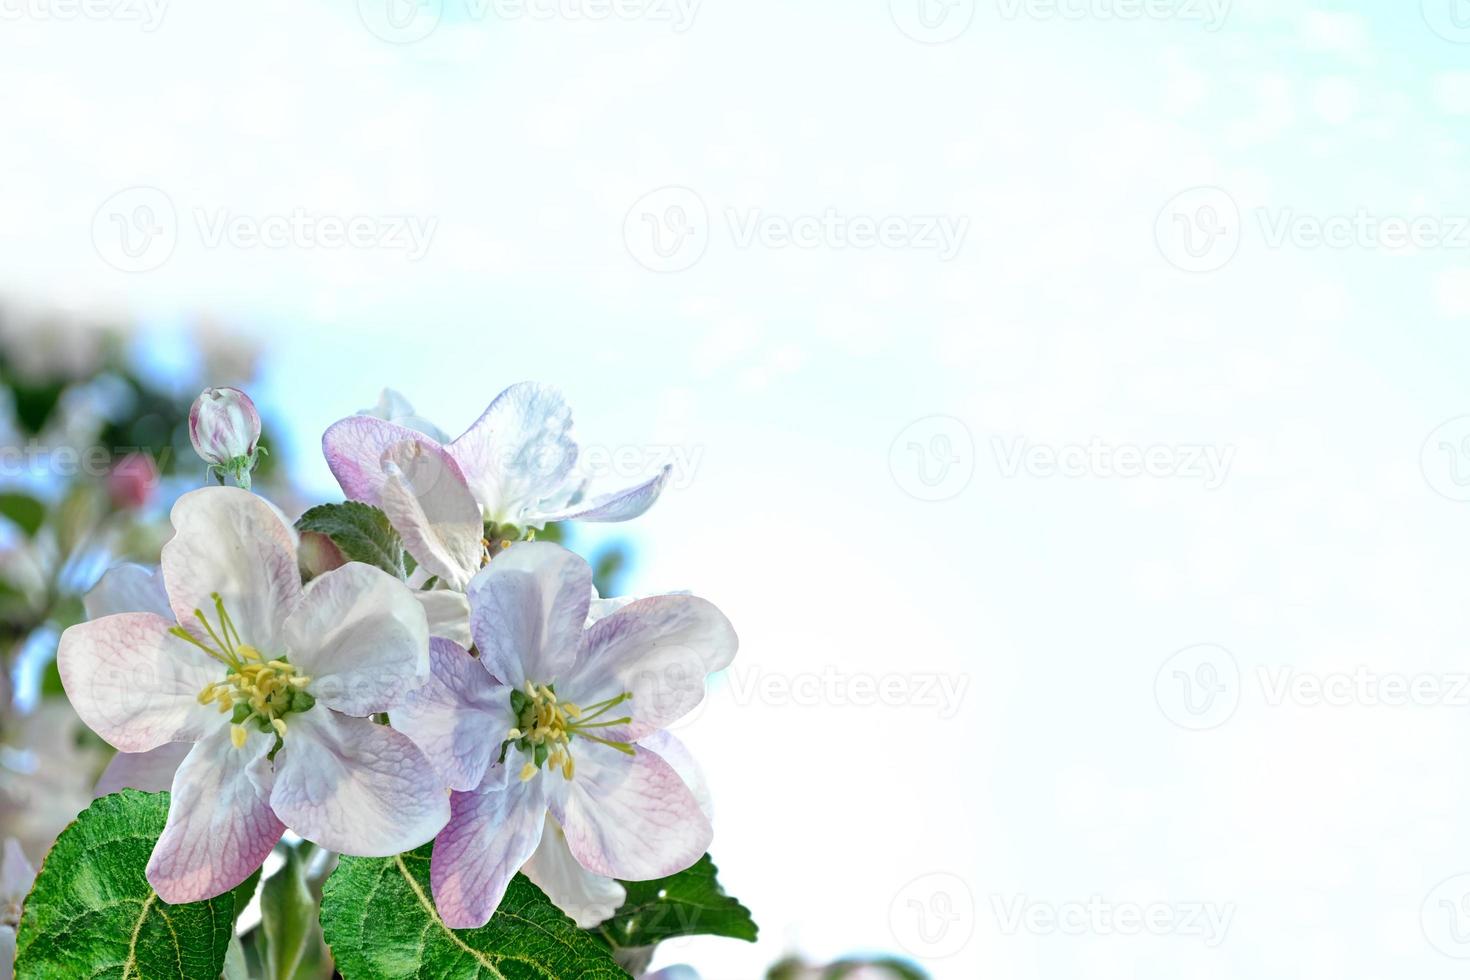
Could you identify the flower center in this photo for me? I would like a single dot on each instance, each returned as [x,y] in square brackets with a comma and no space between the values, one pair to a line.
[545,727]
[255,689]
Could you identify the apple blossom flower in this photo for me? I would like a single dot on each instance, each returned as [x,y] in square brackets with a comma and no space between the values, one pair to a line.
[271,684]
[513,470]
[16,878]
[393,407]
[556,718]
[225,430]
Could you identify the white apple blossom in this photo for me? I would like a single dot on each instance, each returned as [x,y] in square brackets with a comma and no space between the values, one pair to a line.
[557,720]
[272,683]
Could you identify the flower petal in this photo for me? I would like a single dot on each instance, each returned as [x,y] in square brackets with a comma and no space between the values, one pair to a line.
[354,449]
[220,825]
[618,505]
[429,504]
[630,818]
[491,834]
[519,455]
[588,898]
[128,588]
[527,609]
[677,755]
[661,649]
[17,875]
[349,785]
[449,614]
[230,541]
[134,683]
[362,638]
[151,771]
[459,718]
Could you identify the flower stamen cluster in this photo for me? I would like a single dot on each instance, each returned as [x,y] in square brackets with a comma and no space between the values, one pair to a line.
[546,725]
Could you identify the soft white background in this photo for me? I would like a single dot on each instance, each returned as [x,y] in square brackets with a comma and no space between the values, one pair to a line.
[798,380]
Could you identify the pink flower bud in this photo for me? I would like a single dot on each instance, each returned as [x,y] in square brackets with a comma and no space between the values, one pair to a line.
[132,482]
[225,428]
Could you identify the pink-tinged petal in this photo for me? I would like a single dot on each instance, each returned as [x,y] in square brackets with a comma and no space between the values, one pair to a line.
[354,449]
[361,637]
[220,825]
[459,718]
[630,817]
[449,614]
[151,771]
[230,541]
[135,684]
[527,609]
[492,832]
[618,505]
[427,501]
[588,898]
[128,588]
[519,455]
[351,786]
[661,649]
[677,755]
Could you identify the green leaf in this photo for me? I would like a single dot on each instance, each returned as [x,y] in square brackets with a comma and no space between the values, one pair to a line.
[93,914]
[360,531]
[690,903]
[380,922]
[287,917]
[25,511]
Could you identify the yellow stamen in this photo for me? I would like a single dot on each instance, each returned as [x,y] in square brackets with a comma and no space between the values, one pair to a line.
[527,771]
[279,726]
[237,735]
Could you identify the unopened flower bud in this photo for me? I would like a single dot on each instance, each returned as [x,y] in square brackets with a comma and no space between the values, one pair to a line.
[132,482]
[225,430]
[317,555]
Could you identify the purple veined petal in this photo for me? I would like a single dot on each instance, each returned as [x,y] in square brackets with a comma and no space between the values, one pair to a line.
[519,453]
[128,588]
[677,755]
[491,834]
[151,771]
[220,825]
[230,541]
[527,610]
[448,613]
[629,817]
[661,649]
[617,505]
[354,449]
[362,638]
[588,898]
[351,786]
[459,718]
[134,683]
[429,504]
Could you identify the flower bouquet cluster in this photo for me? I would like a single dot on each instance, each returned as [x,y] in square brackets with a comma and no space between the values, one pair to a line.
[446,749]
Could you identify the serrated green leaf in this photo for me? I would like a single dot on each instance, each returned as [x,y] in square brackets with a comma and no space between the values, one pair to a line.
[690,903]
[287,916]
[360,531]
[93,914]
[380,922]
[25,511]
